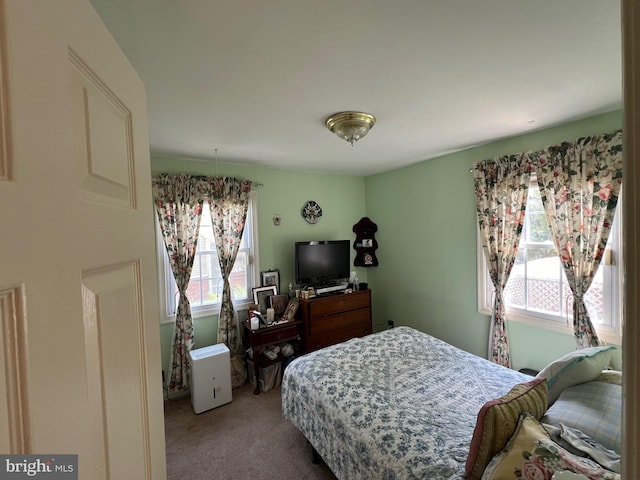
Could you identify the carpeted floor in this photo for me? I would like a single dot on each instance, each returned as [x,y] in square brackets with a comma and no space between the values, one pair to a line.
[245,439]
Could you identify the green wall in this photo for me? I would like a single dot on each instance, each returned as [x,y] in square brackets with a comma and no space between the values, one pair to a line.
[427,247]
[283,192]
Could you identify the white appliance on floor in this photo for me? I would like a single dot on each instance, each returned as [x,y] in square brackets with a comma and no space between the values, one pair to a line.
[210,377]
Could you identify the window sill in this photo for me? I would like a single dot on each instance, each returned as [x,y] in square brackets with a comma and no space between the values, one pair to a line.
[606,337]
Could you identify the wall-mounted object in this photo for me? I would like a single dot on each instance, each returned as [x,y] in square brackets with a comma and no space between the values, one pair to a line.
[277,219]
[271,277]
[311,212]
[365,244]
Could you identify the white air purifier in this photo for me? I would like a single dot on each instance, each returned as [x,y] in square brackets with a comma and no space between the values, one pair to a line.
[210,377]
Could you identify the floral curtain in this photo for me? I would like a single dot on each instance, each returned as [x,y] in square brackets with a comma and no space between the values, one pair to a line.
[178,200]
[501,188]
[229,201]
[580,184]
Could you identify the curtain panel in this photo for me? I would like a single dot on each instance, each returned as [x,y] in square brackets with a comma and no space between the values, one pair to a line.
[501,188]
[178,201]
[580,183]
[229,202]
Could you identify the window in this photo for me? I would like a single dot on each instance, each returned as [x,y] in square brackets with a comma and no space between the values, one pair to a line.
[537,291]
[205,286]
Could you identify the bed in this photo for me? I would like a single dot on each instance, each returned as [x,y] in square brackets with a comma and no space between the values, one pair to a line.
[401,404]
[398,404]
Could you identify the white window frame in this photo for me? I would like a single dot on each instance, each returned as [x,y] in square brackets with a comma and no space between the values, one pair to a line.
[613,277]
[168,305]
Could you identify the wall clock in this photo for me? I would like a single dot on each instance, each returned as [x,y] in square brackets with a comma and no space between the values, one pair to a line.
[311,212]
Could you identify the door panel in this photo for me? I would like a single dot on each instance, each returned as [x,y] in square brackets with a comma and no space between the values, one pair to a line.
[103,137]
[79,320]
[13,396]
[111,303]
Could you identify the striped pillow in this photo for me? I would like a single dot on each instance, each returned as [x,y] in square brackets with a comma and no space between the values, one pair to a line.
[497,420]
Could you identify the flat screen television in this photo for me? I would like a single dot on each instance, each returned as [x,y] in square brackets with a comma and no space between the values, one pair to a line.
[321,263]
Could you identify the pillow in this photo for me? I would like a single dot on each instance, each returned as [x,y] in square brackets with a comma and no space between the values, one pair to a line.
[497,420]
[616,359]
[575,367]
[594,408]
[531,454]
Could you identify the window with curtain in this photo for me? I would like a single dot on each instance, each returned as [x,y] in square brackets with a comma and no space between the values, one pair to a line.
[537,291]
[205,284]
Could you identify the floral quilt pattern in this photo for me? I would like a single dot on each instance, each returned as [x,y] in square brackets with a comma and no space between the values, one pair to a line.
[398,404]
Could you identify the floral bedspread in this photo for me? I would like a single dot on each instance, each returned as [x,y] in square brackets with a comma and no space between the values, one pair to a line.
[398,404]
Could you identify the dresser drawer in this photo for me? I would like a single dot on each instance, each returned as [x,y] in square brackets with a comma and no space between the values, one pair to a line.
[339,303]
[353,320]
[276,336]
[321,341]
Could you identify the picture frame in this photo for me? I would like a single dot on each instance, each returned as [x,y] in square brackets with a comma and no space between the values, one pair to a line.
[261,296]
[292,308]
[367,242]
[279,304]
[271,277]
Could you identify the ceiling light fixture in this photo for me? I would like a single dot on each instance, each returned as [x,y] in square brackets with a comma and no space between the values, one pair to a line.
[351,126]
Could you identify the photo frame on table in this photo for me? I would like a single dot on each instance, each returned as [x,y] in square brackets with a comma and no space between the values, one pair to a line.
[261,296]
[271,277]
[292,308]
[279,304]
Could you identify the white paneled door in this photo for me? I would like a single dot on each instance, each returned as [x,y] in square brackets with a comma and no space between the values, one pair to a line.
[79,347]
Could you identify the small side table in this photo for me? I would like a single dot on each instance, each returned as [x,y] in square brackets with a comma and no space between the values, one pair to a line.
[258,339]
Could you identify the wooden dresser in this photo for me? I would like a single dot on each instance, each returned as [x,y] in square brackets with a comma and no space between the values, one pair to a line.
[335,318]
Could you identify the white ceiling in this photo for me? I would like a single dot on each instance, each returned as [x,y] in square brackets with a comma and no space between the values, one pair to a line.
[256,79]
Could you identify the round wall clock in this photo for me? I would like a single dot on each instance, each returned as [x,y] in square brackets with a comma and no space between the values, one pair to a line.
[311,211]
